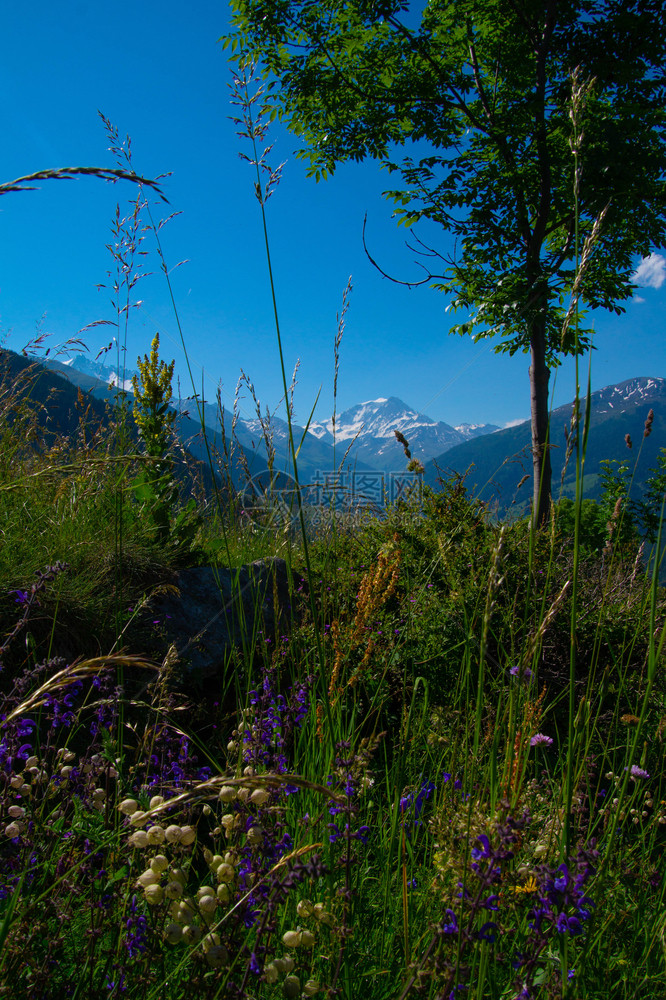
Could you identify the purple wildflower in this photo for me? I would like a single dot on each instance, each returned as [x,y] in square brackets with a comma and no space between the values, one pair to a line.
[539,739]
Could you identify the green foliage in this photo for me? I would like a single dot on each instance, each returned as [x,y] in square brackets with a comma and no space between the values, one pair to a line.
[649,510]
[543,125]
[154,486]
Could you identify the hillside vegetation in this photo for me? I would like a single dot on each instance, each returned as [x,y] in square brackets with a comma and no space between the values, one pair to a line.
[446,776]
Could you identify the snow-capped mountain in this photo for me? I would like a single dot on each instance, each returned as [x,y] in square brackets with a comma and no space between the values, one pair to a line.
[106,373]
[368,429]
[496,466]
[616,398]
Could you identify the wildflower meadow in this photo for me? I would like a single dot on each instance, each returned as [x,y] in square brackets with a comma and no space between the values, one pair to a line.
[441,776]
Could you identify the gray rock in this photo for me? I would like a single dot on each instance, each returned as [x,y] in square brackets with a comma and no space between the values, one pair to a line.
[208,611]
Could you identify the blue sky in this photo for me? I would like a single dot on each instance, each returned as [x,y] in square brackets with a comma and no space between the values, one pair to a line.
[157,72]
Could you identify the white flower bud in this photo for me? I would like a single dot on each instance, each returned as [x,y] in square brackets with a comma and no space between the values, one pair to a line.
[270,973]
[187,835]
[187,910]
[138,839]
[12,830]
[255,836]
[212,860]
[217,956]
[99,794]
[31,762]
[208,905]
[156,801]
[243,794]
[259,796]
[173,833]
[206,809]
[227,793]
[307,939]
[155,835]
[137,818]
[311,988]
[291,987]
[232,748]
[178,875]
[159,864]
[173,890]
[66,771]
[323,915]
[292,939]
[224,893]
[225,873]
[154,894]
[304,908]
[149,877]
[127,806]
[173,933]
[205,890]
[17,781]
[16,812]
[191,933]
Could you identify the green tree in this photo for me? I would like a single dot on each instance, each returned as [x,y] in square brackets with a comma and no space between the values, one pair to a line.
[542,124]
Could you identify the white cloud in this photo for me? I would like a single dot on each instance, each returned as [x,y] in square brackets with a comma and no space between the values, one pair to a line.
[651,272]
[638,298]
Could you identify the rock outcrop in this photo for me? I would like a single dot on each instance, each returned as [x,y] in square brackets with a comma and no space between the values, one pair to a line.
[208,611]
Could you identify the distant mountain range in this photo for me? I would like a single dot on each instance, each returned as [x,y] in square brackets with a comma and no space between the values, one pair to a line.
[494,460]
[368,429]
[494,466]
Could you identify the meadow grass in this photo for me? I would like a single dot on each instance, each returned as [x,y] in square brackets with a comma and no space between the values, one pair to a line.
[444,779]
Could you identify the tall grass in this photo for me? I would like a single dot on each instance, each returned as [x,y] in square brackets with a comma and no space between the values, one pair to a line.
[431,784]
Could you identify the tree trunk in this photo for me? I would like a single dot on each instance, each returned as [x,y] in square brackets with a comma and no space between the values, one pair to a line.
[539,378]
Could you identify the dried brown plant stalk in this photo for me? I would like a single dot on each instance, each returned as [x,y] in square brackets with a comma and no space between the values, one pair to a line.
[377,587]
